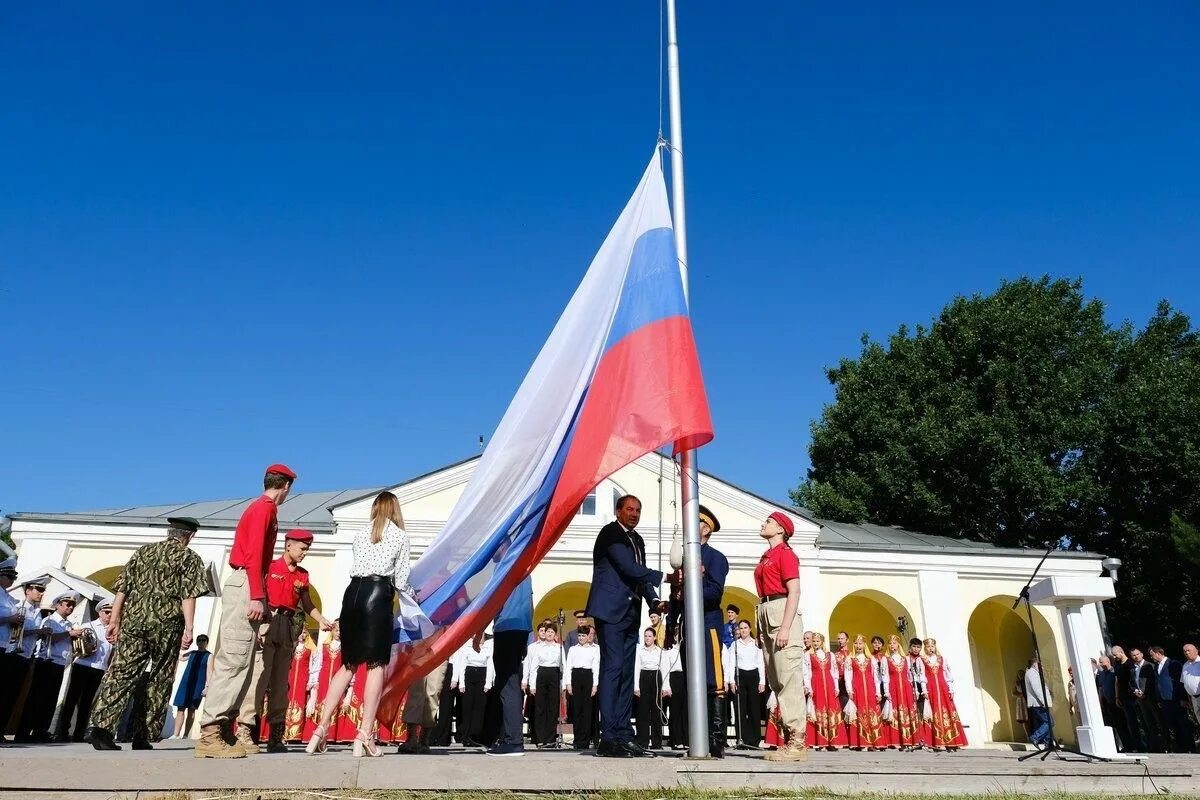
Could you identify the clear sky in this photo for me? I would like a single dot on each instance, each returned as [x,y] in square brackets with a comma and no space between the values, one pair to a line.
[232,234]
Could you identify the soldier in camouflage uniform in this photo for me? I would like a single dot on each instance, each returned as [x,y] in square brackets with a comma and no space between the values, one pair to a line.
[151,622]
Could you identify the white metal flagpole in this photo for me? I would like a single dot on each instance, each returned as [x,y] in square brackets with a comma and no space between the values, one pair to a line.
[693,595]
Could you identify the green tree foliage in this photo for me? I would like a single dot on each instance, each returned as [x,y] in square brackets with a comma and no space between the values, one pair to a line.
[1023,417]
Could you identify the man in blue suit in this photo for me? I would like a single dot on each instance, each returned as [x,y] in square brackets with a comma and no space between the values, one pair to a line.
[620,579]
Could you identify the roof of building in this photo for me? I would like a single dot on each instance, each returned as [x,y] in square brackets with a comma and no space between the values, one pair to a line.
[302,510]
[851,536]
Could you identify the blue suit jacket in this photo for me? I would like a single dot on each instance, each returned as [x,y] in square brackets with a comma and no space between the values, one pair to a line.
[619,582]
[716,570]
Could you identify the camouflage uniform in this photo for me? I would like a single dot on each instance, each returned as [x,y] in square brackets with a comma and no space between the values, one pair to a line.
[156,580]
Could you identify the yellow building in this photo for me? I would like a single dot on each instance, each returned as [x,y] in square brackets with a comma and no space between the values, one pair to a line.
[858,578]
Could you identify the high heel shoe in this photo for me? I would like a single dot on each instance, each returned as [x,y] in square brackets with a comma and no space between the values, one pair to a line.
[316,744]
[364,746]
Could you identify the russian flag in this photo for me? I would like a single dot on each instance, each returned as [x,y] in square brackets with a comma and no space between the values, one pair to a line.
[618,377]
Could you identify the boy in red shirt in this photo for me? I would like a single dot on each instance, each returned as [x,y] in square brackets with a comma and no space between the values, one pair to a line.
[286,587]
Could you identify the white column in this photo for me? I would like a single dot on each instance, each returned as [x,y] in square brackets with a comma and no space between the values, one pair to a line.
[34,554]
[811,605]
[208,608]
[1083,631]
[942,609]
[343,560]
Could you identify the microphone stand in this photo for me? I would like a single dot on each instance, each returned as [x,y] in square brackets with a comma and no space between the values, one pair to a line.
[1053,745]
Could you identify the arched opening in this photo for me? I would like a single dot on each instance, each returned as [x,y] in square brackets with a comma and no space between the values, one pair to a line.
[566,597]
[1001,647]
[871,613]
[106,577]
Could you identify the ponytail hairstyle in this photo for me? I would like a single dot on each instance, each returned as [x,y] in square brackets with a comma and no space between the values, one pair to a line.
[385,508]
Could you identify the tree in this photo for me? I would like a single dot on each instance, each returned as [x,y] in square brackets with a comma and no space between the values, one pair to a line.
[1022,418]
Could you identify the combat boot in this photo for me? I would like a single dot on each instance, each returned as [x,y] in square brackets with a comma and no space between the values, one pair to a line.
[275,742]
[243,742]
[794,750]
[213,745]
[716,726]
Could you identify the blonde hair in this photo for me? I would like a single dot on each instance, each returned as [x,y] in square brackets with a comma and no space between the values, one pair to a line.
[899,644]
[932,641]
[386,507]
[854,645]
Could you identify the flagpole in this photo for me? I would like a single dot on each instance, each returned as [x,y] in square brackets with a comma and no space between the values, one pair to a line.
[693,594]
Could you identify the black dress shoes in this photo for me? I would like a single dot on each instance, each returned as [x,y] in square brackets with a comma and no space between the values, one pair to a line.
[141,744]
[100,739]
[613,750]
[637,751]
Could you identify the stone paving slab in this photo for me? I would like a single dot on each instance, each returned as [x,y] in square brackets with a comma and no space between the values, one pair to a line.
[53,771]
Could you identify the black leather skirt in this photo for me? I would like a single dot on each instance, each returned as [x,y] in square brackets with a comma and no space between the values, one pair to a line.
[366,621]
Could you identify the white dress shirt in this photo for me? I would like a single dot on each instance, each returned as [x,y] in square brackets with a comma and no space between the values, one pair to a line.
[28,641]
[583,656]
[649,658]
[100,658]
[8,607]
[744,654]
[467,657]
[57,651]
[1191,677]
[672,661]
[543,654]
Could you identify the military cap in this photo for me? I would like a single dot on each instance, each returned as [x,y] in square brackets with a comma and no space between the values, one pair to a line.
[38,580]
[8,567]
[300,535]
[282,469]
[104,604]
[70,595]
[708,517]
[184,523]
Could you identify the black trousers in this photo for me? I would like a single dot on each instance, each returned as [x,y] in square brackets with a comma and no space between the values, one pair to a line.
[649,718]
[447,700]
[1153,731]
[678,709]
[1115,719]
[13,670]
[43,696]
[1175,720]
[1135,743]
[546,704]
[748,699]
[509,649]
[582,683]
[474,701]
[81,692]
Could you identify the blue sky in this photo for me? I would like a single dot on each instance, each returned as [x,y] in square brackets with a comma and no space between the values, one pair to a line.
[241,233]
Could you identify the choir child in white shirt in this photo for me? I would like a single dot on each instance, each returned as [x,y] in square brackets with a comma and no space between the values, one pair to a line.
[674,692]
[543,680]
[647,691]
[581,680]
[474,674]
[746,681]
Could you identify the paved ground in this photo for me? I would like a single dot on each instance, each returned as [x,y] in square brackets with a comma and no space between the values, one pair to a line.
[78,771]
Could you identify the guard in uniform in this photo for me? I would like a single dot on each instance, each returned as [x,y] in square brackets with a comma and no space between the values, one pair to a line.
[715,569]
[287,595]
[151,622]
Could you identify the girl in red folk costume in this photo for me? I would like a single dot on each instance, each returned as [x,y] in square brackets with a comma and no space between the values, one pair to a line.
[825,728]
[900,719]
[947,731]
[293,721]
[324,664]
[862,682]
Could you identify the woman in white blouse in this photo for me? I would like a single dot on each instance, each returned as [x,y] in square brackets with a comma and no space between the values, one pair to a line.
[380,569]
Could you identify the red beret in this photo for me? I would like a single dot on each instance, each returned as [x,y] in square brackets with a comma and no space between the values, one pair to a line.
[784,521]
[282,469]
[300,535]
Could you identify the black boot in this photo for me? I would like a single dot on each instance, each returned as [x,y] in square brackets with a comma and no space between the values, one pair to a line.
[275,743]
[141,744]
[716,726]
[100,739]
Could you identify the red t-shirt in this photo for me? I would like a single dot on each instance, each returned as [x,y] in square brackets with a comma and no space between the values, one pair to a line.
[777,566]
[285,585]
[254,543]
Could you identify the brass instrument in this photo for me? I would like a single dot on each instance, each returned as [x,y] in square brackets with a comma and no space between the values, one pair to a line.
[87,643]
[18,630]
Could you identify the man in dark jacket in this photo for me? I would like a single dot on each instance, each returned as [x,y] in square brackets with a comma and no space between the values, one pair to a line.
[1106,687]
[1143,683]
[620,579]
[1126,701]
[1171,697]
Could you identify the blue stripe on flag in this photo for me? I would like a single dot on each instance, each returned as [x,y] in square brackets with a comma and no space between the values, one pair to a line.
[653,287]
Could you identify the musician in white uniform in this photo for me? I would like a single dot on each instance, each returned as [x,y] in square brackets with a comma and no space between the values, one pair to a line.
[22,641]
[10,620]
[86,672]
[49,662]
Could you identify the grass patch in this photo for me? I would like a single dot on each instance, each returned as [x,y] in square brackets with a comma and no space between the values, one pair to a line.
[615,794]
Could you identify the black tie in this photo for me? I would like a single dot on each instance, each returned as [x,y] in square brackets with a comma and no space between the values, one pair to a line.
[637,554]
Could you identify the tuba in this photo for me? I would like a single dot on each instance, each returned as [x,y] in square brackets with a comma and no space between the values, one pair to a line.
[83,646]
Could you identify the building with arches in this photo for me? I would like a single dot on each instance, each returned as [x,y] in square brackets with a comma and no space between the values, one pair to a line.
[859,578]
